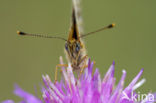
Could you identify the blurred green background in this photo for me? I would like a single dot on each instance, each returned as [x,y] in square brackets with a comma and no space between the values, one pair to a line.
[23,60]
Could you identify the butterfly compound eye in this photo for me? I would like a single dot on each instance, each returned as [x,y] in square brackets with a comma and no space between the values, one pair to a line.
[77,47]
[66,47]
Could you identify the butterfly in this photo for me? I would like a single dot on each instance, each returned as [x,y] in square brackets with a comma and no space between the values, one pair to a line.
[74,47]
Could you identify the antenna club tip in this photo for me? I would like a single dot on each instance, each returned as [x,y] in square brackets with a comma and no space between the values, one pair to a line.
[111,25]
[20,33]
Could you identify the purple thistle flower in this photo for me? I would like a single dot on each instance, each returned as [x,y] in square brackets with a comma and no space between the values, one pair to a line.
[88,89]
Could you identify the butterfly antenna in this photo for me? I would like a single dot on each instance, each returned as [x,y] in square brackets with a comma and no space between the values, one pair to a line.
[39,35]
[98,30]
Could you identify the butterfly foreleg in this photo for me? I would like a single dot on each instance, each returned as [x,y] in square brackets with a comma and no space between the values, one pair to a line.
[56,69]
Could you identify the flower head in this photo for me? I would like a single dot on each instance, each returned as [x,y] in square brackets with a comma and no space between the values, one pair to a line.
[87,89]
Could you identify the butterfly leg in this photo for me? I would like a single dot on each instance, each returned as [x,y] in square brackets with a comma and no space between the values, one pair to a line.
[59,65]
[93,67]
[85,66]
[84,59]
